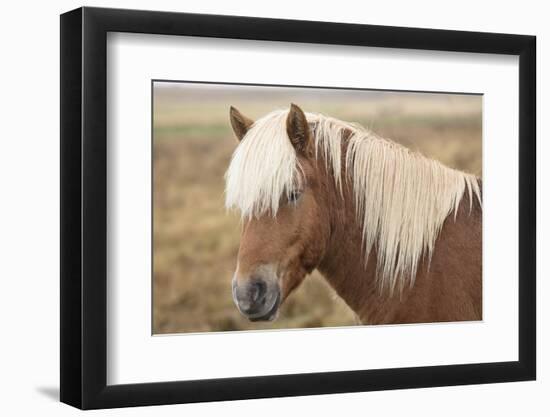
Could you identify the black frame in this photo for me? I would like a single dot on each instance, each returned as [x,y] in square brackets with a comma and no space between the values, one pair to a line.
[84,208]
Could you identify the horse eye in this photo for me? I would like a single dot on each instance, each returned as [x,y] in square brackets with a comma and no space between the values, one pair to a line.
[294,196]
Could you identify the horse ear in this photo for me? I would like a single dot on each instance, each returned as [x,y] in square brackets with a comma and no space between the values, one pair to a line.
[239,122]
[297,129]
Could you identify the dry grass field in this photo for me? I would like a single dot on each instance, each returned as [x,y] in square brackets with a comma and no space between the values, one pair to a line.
[195,240]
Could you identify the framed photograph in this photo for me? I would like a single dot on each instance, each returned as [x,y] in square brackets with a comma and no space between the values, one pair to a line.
[258,208]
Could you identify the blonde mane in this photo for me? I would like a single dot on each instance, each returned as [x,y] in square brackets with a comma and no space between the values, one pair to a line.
[401,197]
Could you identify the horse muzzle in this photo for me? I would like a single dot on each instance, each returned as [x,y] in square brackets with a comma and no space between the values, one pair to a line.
[257,296]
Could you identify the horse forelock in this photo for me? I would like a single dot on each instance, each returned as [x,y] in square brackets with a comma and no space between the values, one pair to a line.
[263,168]
[401,197]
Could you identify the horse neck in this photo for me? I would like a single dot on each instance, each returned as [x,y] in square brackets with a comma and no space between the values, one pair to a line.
[354,278]
[343,264]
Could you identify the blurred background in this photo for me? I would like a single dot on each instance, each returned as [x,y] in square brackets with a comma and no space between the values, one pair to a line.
[195,240]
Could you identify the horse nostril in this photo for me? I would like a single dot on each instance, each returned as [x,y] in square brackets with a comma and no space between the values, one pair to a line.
[258,288]
[252,295]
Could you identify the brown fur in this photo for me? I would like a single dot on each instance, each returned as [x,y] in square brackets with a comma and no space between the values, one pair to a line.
[321,231]
[449,290]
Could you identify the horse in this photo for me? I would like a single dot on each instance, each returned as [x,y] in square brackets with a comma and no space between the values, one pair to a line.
[396,234]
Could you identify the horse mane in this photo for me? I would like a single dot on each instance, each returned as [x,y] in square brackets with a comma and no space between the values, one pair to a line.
[401,197]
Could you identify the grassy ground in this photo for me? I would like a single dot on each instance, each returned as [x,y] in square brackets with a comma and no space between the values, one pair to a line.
[196,240]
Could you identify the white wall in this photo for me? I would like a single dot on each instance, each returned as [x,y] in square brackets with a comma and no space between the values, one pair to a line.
[29,176]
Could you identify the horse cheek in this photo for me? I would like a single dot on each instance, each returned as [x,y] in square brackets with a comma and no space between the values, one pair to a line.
[317,241]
